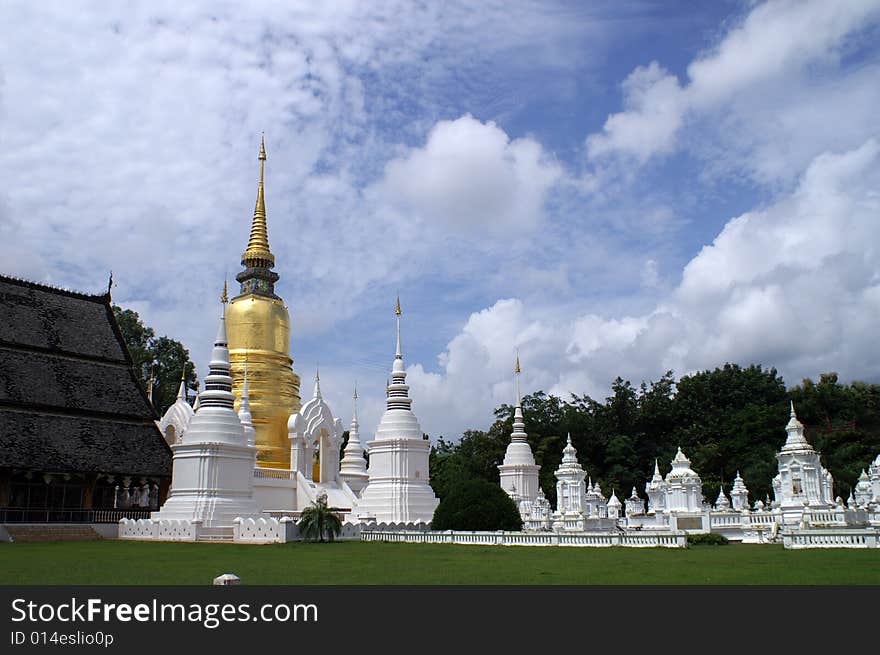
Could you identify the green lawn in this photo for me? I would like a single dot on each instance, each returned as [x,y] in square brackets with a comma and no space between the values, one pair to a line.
[126,562]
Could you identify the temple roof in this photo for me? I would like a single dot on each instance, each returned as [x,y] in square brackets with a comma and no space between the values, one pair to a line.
[69,398]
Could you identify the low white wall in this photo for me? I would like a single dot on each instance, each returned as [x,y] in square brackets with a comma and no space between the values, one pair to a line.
[599,539]
[164,530]
[264,530]
[831,538]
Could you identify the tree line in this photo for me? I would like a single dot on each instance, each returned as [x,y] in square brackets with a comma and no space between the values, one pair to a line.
[726,420]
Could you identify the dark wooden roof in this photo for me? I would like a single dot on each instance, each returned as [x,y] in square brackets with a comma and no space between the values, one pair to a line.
[69,398]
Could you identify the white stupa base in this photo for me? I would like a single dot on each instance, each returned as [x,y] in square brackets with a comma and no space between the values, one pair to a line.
[398,501]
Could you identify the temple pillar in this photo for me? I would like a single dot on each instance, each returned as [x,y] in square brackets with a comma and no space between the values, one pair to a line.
[89,483]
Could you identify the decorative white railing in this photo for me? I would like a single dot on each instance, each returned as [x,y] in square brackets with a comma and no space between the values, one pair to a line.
[273,474]
[832,538]
[595,540]
[725,520]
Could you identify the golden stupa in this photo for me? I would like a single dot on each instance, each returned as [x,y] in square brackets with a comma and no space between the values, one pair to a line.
[258,330]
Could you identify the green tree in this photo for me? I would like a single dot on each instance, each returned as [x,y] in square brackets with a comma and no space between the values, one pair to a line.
[162,357]
[318,521]
[476,505]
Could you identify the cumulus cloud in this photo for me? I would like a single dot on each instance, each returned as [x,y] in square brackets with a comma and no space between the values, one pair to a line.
[771,51]
[794,285]
[469,174]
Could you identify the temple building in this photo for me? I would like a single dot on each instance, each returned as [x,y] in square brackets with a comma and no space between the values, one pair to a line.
[258,327]
[77,432]
[518,472]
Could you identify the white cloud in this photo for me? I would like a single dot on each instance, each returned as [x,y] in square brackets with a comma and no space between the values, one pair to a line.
[470,174]
[794,285]
[654,107]
[770,52]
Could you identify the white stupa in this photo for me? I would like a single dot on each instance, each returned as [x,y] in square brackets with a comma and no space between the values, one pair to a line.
[353,467]
[398,488]
[213,464]
[518,472]
[722,504]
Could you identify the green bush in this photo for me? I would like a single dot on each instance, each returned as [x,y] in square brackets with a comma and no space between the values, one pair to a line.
[476,505]
[708,539]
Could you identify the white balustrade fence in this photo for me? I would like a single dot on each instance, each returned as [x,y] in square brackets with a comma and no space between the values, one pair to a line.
[595,540]
[831,538]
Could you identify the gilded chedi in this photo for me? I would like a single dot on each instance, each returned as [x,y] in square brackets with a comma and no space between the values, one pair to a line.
[258,327]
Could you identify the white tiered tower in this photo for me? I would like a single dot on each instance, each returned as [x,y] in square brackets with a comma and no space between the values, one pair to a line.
[519,473]
[397,490]
[570,491]
[213,464]
[739,495]
[353,467]
[802,481]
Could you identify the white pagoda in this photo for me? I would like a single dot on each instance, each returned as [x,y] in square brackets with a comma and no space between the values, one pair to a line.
[353,467]
[518,472]
[213,463]
[398,489]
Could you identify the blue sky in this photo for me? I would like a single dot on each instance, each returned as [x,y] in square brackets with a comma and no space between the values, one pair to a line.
[611,188]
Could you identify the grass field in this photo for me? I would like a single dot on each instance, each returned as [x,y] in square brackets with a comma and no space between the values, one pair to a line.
[127,562]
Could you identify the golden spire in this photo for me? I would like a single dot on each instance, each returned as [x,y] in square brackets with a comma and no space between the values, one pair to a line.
[516,369]
[397,309]
[224,297]
[258,253]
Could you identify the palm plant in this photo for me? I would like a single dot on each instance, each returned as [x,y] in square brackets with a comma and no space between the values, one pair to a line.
[318,520]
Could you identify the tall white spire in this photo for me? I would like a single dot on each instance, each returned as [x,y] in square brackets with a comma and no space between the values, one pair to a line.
[353,467]
[398,391]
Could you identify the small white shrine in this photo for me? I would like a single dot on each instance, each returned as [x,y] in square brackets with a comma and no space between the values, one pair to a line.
[802,481]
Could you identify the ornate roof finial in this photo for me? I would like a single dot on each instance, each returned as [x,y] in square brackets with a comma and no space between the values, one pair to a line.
[516,372]
[181,392]
[150,387]
[224,297]
[355,415]
[397,311]
[317,382]
[109,284]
